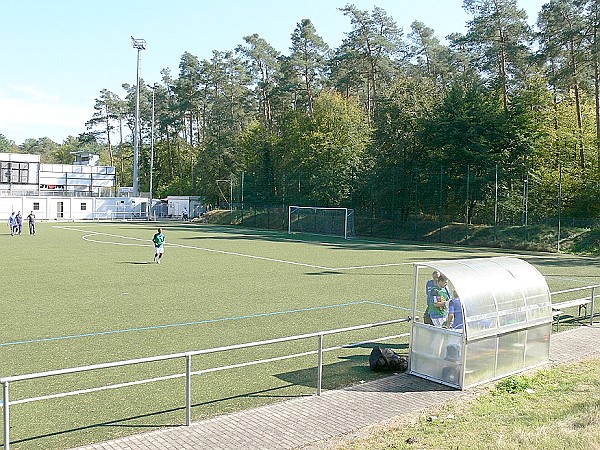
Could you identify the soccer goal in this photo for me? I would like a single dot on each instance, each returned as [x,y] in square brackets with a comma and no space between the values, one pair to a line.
[316,220]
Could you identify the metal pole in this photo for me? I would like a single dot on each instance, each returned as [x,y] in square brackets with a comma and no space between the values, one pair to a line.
[136,133]
[345,223]
[242,194]
[5,404]
[496,205]
[592,305]
[242,198]
[467,209]
[441,203]
[417,212]
[231,193]
[188,390]
[139,44]
[151,151]
[320,366]
[526,196]
[559,206]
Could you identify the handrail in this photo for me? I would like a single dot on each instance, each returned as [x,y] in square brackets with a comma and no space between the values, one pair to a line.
[575,289]
[193,353]
[577,302]
[188,373]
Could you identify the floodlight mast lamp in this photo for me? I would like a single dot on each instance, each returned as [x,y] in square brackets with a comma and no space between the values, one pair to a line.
[139,44]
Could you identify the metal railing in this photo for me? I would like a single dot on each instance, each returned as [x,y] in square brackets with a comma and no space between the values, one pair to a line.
[572,302]
[6,381]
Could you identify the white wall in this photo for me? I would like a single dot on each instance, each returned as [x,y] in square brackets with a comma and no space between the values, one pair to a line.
[74,208]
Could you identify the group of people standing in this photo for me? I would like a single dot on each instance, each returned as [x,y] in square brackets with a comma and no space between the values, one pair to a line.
[443,307]
[15,223]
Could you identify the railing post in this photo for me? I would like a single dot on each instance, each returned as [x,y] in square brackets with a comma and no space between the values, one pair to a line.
[593,305]
[188,390]
[320,365]
[5,404]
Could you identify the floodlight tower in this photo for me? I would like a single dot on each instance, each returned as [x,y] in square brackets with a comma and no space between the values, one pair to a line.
[139,44]
[153,87]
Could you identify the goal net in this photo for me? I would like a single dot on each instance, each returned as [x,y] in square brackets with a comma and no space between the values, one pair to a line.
[328,221]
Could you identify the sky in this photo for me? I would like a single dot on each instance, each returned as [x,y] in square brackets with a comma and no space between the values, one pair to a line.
[57,55]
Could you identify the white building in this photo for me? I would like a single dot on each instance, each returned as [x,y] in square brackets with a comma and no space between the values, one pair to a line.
[83,190]
[194,206]
[24,174]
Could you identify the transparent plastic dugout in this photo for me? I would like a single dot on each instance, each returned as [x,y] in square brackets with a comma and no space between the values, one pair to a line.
[507,322]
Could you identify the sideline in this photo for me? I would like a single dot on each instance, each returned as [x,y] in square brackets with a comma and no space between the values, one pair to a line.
[199,322]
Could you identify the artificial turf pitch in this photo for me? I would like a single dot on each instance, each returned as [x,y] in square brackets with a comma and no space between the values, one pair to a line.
[87,293]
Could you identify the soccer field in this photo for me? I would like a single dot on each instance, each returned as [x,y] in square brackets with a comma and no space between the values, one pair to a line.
[88,293]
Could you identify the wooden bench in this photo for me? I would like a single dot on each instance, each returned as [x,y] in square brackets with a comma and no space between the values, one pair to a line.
[557,308]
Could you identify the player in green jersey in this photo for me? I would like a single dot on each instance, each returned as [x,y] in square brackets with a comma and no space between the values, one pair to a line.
[159,245]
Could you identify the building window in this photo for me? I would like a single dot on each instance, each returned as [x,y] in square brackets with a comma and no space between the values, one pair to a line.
[4,172]
[14,172]
[36,206]
[22,175]
[83,206]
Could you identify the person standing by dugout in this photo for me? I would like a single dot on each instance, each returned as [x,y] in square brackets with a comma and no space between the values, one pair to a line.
[438,302]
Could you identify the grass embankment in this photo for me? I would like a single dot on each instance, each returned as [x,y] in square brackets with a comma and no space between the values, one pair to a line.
[543,238]
[556,408]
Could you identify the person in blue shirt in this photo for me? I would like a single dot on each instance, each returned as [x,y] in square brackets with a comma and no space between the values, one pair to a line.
[12,223]
[19,223]
[455,313]
[432,283]
[428,287]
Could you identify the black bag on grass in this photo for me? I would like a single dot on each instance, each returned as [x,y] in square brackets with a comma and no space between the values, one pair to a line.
[382,359]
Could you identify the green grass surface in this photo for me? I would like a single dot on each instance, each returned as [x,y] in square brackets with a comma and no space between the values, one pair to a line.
[87,293]
[554,409]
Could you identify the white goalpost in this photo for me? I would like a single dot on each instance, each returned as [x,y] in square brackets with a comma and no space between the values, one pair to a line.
[318,220]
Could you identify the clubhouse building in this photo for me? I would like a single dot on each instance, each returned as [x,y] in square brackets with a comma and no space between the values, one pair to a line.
[78,191]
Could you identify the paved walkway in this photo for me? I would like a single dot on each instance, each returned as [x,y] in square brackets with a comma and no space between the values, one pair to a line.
[304,421]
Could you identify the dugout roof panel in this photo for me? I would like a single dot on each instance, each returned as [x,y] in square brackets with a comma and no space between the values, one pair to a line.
[498,295]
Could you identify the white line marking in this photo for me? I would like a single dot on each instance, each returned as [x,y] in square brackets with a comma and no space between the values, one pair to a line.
[375,266]
[87,238]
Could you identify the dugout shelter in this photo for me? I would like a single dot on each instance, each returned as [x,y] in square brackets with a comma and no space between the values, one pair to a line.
[507,315]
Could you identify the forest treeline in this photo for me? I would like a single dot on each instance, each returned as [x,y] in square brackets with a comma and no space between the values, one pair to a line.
[500,124]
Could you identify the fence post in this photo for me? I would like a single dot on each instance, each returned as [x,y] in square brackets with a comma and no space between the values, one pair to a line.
[320,365]
[592,305]
[188,390]
[5,404]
